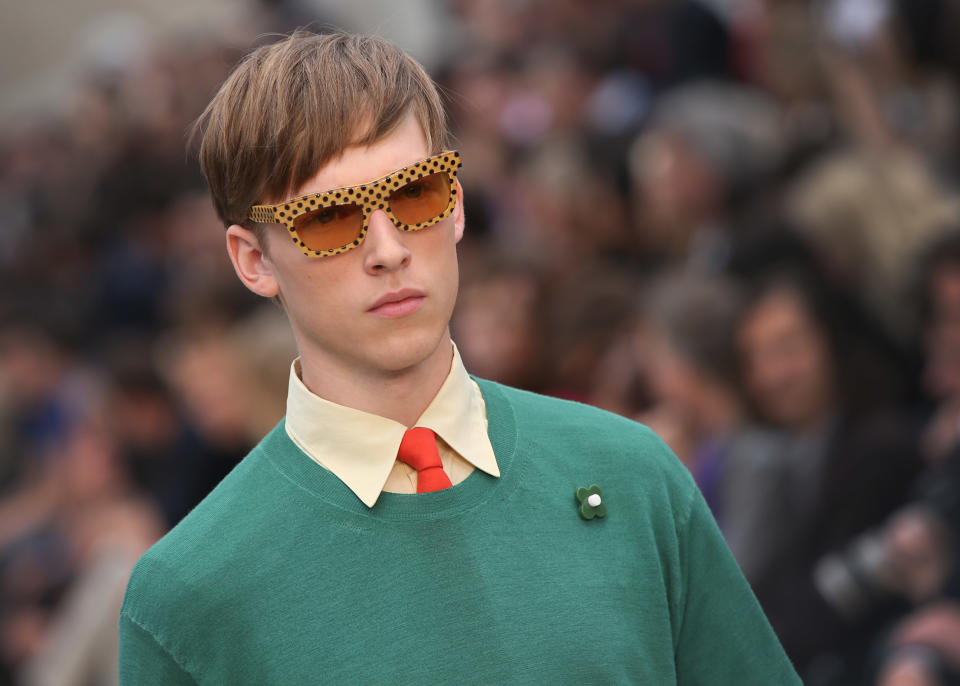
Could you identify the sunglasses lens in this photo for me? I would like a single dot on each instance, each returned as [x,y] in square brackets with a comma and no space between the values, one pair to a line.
[421,200]
[329,228]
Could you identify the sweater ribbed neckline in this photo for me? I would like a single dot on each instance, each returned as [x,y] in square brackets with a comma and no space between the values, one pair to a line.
[476,489]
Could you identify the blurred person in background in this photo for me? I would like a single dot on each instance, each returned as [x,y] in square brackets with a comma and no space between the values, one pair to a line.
[849,466]
[188,409]
[102,524]
[701,172]
[500,320]
[869,215]
[891,68]
[69,535]
[691,365]
[592,313]
[162,453]
[562,199]
[912,557]
[888,187]
[35,373]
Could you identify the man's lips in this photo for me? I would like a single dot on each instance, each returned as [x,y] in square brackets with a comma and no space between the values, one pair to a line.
[398,303]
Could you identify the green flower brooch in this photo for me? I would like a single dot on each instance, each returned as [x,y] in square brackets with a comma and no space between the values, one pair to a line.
[591,502]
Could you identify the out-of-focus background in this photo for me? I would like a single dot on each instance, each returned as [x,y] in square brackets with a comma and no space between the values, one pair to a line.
[735,220]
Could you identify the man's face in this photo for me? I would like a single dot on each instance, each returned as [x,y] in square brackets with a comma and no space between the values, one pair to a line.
[332,302]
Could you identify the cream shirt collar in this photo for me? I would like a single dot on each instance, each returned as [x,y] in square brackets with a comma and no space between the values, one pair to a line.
[360,448]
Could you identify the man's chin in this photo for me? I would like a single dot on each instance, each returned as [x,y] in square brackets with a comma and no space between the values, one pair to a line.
[404,354]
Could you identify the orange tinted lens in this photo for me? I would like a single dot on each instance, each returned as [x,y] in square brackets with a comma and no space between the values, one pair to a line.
[421,200]
[329,227]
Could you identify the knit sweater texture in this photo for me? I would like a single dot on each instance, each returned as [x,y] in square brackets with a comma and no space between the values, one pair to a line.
[282,576]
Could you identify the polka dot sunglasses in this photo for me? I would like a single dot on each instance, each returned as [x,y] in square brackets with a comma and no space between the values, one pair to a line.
[333,222]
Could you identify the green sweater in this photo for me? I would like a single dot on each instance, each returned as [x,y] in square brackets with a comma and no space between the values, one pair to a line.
[282,576]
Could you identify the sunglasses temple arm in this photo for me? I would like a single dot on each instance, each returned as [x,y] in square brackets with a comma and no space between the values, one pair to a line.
[259,213]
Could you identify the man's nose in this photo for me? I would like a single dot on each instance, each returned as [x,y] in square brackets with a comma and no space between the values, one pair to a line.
[384,245]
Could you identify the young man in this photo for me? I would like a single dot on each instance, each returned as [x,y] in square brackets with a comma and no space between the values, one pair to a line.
[406,523]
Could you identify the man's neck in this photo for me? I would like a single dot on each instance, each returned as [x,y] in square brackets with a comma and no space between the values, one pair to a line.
[401,396]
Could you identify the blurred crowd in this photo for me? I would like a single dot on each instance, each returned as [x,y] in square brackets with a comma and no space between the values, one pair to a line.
[735,220]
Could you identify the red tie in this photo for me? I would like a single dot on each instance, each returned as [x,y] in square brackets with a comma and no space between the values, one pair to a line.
[419,450]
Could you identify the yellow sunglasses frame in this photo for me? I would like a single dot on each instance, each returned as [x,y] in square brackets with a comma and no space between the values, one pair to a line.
[370,196]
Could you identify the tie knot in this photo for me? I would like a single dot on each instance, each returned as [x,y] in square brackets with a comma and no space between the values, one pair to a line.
[419,448]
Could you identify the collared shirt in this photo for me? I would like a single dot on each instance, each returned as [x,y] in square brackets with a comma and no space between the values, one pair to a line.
[360,448]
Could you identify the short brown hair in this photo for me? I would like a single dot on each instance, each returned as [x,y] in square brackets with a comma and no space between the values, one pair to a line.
[291,106]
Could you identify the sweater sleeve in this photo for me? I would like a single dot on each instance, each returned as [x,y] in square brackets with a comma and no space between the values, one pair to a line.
[144,662]
[724,637]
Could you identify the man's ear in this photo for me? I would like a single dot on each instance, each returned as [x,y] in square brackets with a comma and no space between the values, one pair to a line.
[459,218]
[253,268]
